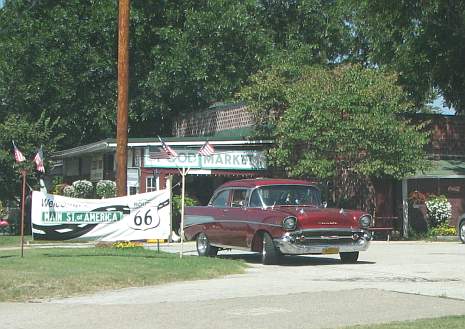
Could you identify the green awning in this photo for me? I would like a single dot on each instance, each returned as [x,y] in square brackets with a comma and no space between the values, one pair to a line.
[444,169]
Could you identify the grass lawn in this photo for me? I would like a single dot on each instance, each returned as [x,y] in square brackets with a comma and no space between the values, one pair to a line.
[13,240]
[47,273]
[449,322]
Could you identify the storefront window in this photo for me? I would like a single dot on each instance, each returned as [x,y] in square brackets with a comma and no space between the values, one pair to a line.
[152,184]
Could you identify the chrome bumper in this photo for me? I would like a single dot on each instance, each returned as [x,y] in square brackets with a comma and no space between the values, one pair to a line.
[290,245]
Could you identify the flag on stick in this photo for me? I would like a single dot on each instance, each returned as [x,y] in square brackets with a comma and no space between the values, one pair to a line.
[162,152]
[19,157]
[39,160]
[207,149]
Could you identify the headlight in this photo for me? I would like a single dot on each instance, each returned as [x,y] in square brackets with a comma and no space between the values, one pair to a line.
[365,221]
[289,223]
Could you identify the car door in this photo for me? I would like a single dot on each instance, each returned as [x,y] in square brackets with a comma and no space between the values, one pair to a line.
[235,222]
[217,209]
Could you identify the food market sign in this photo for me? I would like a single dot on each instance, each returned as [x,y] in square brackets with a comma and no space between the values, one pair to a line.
[235,160]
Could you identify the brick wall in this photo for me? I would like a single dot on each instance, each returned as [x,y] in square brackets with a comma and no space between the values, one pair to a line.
[447,136]
[214,120]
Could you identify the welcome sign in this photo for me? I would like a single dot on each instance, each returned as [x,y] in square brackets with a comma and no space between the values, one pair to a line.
[136,217]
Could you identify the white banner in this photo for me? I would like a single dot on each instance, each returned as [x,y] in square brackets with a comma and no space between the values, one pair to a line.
[135,217]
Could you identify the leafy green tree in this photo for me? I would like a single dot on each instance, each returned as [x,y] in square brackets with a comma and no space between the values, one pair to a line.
[28,136]
[316,31]
[424,41]
[60,57]
[343,125]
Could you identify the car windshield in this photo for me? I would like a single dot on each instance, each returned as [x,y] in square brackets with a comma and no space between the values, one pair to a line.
[285,195]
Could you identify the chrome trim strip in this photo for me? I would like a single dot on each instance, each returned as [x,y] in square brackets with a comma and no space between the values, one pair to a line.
[199,220]
[224,246]
[287,247]
[331,229]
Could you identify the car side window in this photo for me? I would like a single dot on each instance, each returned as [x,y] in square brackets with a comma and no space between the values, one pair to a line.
[239,198]
[221,199]
[255,201]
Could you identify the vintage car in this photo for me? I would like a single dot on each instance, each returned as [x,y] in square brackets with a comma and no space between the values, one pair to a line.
[461,228]
[276,217]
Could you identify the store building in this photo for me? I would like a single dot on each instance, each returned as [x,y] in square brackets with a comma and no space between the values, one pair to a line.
[227,127]
[237,155]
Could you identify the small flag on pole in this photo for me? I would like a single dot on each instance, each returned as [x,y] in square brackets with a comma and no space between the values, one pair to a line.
[162,152]
[39,160]
[19,157]
[207,149]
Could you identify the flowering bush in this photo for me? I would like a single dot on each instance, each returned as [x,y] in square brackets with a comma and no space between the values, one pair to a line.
[106,189]
[439,210]
[68,191]
[417,197]
[443,229]
[83,189]
[126,245]
[2,209]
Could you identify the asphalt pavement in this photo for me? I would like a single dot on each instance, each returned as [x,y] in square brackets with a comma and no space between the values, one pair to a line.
[393,281]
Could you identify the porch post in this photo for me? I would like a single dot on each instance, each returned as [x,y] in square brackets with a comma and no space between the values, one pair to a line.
[405,207]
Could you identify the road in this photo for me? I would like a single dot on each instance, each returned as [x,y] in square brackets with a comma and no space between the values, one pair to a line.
[392,281]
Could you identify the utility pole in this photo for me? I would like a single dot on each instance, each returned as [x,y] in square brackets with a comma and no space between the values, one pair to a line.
[122,116]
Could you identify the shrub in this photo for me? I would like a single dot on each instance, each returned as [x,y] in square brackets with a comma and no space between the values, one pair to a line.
[68,191]
[2,209]
[105,189]
[59,189]
[443,229]
[438,210]
[83,189]
[127,245]
[177,209]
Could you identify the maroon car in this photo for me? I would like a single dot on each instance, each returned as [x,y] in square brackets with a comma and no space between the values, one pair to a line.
[276,217]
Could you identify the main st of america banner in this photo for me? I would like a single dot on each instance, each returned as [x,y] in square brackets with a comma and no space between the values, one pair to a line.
[135,217]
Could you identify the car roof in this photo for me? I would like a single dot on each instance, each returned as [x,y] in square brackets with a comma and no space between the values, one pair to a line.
[248,183]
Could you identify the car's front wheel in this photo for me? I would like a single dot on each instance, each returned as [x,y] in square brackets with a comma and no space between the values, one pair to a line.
[462,231]
[349,257]
[270,254]
[204,248]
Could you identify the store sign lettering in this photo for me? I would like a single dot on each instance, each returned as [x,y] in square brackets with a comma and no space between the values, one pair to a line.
[236,160]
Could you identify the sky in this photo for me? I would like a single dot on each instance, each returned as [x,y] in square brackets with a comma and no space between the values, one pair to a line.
[439,103]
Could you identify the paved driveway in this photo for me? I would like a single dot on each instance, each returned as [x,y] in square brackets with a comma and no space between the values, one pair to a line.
[392,281]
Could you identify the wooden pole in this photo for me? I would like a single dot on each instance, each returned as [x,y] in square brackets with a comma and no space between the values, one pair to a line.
[184,173]
[23,201]
[122,116]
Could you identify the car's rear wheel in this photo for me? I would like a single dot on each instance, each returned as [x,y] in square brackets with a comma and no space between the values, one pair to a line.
[204,248]
[270,254]
[349,257]
[462,231]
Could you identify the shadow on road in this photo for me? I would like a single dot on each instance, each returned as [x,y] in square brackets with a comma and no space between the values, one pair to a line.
[292,260]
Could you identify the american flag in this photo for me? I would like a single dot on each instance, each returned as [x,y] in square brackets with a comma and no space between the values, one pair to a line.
[19,157]
[162,152]
[39,160]
[207,149]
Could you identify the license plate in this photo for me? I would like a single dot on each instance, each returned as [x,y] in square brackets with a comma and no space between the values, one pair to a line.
[328,251]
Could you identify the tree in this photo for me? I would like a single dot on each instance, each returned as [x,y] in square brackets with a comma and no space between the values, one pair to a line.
[316,31]
[60,57]
[343,124]
[28,135]
[424,41]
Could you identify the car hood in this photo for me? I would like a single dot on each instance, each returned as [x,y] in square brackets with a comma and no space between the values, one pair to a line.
[313,217]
